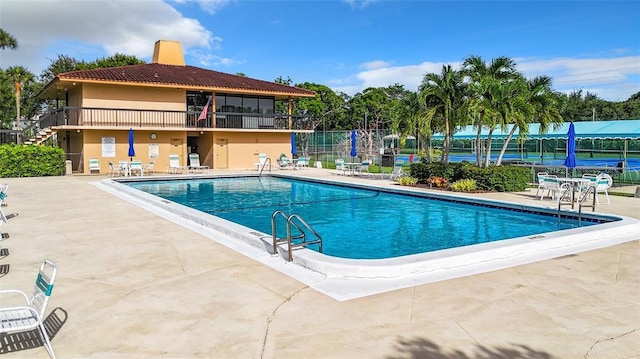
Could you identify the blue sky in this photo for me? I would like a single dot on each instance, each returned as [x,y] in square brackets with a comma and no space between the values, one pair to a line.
[346,45]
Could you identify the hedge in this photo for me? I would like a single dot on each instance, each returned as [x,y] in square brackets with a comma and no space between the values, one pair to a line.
[494,178]
[31,161]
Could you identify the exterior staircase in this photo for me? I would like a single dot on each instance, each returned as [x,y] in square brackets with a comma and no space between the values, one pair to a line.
[42,136]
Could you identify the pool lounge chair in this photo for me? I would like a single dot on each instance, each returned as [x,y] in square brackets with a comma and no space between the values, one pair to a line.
[149,167]
[194,163]
[136,168]
[30,314]
[174,164]
[303,162]
[284,163]
[94,165]
[397,172]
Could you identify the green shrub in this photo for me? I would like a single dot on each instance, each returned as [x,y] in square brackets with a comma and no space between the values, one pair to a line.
[494,178]
[407,181]
[498,178]
[31,161]
[464,185]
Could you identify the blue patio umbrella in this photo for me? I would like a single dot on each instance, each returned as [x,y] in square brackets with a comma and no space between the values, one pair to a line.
[570,161]
[354,143]
[293,144]
[132,151]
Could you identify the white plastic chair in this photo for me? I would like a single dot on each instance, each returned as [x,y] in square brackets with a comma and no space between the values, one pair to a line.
[149,167]
[113,170]
[397,172]
[174,164]
[341,168]
[30,314]
[603,183]
[541,176]
[551,186]
[136,168]
[262,160]
[94,165]
[194,163]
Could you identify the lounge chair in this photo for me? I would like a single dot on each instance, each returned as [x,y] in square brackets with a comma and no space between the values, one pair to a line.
[341,168]
[3,218]
[262,160]
[174,164]
[284,163]
[30,314]
[113,170]
[194,163]
[397,172]
[94,165]
[135,167]
[149,167]
[303,162]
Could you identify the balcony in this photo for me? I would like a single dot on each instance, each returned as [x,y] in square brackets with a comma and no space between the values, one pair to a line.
[87,117]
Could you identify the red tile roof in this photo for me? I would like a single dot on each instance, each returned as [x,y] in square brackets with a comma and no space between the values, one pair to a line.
[183,76]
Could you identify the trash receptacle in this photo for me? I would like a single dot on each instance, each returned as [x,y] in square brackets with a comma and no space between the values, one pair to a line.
[318,164]
[67,168]
[387,160]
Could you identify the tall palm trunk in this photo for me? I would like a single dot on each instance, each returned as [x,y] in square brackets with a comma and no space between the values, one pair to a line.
[487,160]
[506,143]
[18,124]
[479,140]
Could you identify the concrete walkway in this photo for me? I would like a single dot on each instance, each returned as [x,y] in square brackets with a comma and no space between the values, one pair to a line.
[133,285]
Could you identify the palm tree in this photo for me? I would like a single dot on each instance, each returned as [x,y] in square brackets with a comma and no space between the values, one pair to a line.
[446,91]
[7,40]
[410,114]
[20,76]
[541,105]
[483,78]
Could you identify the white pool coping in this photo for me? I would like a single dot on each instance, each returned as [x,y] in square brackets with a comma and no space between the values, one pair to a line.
[344,279]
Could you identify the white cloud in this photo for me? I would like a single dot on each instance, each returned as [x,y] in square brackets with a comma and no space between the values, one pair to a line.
[94,29]
[373,65]
[410,76]
[359,4]
[612,79]
[209,6]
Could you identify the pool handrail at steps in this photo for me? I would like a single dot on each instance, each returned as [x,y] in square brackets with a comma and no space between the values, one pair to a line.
[262,166]
[289,238]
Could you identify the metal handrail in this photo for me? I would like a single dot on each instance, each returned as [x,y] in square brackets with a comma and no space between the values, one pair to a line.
[583,197]
[264,164]
[289,239]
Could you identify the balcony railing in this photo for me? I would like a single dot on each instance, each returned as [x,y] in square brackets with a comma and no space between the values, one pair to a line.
[105,117]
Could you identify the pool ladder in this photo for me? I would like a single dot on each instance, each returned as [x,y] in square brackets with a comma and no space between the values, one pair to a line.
[297,241]
[268,160]
[565,195]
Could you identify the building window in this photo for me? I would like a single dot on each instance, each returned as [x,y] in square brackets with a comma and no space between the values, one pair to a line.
[244,104]
[196,100]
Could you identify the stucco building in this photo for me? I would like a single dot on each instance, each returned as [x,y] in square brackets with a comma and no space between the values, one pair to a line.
[173,108]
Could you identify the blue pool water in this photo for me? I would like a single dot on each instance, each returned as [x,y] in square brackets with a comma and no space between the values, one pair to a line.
[353,222]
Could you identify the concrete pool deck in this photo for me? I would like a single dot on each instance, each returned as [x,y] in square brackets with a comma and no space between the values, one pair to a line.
[134,285]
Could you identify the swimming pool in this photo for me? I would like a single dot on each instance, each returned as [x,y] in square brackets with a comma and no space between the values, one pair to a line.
[360,223]
[345,279]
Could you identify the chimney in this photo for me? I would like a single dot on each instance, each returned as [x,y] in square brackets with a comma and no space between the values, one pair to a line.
[168,52]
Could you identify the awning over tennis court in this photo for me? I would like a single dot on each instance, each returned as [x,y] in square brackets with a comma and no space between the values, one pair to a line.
[619,129]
